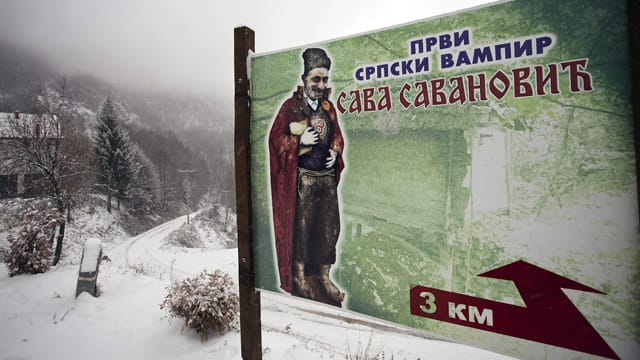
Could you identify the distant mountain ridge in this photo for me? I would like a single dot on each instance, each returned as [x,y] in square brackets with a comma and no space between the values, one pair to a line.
[21,70]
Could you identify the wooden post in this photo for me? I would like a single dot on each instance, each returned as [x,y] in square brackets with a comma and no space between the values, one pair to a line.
[633,15]
[250,324]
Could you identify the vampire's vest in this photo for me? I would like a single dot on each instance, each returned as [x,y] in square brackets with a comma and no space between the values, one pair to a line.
[316,159]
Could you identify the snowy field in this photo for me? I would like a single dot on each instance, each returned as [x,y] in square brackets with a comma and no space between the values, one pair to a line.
[40,318]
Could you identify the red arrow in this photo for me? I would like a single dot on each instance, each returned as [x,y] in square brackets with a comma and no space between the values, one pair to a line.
[548,317]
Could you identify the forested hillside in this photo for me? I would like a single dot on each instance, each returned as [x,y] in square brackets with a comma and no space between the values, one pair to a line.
[182,142]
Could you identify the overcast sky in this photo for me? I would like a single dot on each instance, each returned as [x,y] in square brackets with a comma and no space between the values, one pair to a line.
[187,45]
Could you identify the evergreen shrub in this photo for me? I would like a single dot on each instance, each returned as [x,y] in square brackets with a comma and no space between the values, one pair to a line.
[207,302]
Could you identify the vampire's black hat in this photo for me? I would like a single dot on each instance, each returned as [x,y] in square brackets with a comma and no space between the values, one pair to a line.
[315,58]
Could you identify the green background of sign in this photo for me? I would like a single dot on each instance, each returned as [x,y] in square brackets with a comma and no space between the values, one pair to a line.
[405,196]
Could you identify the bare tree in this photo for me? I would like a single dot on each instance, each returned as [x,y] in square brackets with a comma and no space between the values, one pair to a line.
[42,144]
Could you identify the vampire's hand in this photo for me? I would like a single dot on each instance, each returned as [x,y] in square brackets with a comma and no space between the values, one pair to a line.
[309,137]
[331,160]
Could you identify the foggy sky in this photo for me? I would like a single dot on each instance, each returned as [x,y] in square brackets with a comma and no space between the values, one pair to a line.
[187,45]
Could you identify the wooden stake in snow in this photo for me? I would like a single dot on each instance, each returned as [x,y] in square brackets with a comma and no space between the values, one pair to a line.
[89,265]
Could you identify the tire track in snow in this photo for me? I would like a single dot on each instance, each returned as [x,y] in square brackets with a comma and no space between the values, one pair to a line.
[139,254]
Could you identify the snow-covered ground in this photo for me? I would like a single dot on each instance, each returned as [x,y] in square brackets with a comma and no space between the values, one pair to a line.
[40,318]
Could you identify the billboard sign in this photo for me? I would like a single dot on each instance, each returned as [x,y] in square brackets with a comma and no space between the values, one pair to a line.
[471,175]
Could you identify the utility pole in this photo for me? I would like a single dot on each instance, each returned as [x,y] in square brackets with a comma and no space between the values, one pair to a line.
[186,189]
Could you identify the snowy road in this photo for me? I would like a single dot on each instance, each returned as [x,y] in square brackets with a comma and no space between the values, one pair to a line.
[148,253]
[143,253]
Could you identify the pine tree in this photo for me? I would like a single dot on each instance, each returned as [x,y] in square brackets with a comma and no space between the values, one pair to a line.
[113,155]
[144,192]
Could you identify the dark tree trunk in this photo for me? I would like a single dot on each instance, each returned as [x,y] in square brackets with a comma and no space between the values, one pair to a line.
[58,250]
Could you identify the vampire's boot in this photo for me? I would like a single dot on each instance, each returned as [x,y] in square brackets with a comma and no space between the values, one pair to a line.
[332,290]
[300,282]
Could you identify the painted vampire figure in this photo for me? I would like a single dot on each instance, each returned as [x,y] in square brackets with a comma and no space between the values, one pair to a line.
[305,154]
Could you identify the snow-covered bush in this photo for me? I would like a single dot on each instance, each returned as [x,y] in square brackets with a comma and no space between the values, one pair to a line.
[207,302]
[30,250]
